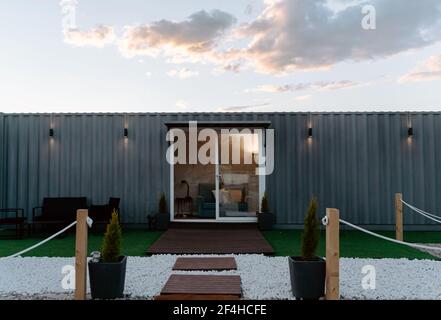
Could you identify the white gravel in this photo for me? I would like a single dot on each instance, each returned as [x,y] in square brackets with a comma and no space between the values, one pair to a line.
[262,277]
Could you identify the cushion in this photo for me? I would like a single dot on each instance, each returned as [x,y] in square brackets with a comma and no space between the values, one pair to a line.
[236,195]
[225,197]
[205,191]
[62,208]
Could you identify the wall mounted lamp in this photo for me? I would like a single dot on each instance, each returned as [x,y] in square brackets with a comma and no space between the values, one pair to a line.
[309,124]
[51,132]
[126,132]
[409,126]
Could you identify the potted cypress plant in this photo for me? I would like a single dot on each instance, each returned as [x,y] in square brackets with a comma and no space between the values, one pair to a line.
[163,216]
[107,271]
[308,272]
[265,218]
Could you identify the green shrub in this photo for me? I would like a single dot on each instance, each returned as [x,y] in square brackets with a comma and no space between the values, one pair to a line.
[111,247]
[311,232]
[163,204]
[264,205]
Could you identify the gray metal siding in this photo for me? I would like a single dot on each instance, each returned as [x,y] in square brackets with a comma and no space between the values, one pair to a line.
[2,163]
[355,161]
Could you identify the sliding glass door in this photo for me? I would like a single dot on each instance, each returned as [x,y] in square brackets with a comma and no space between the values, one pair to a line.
[227,188]
[193,187]
[238,183]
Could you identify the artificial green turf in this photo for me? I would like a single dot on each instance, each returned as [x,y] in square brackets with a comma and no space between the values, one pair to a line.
[284,242]
[135,243]
[355,244]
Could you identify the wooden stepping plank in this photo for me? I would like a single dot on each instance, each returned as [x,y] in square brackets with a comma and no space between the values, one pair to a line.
[211,241]
[203,284]
[196,297]
[218,263]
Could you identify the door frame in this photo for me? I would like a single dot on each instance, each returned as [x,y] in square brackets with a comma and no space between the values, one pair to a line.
[218,219]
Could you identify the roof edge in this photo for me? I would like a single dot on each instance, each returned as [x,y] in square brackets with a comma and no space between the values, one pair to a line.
[214,113]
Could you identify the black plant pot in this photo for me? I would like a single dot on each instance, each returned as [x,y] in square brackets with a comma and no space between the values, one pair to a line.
[307,278]
[265,220]
[107,279]
[162,221]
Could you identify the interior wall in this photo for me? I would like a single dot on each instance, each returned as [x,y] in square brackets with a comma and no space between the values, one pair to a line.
[194,174]
[2,163]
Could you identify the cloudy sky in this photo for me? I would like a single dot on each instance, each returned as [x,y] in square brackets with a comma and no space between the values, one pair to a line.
[206,55]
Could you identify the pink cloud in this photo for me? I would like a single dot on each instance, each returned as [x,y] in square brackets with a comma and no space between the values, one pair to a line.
[429,70]
[96,37]
[195,36]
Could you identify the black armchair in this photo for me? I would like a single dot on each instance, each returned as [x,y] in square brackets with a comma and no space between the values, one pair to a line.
[101,214]
[206,201]
[57,212]
[18,220]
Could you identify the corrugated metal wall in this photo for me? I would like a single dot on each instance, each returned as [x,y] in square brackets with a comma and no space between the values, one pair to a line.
[2,163]
[355,161]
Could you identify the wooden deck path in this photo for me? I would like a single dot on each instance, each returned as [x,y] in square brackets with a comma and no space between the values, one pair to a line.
[225,240]
[209,263]
[184,284]
[196,297]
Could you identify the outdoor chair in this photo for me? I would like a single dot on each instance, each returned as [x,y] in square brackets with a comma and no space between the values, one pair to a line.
[206,202]
[101,214]
[57,212]
[18,220]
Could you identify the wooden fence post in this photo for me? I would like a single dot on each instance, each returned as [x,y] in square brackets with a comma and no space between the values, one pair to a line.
[333,254]
[399,217]
[81,255]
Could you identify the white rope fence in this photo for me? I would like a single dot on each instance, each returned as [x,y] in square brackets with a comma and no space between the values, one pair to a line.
[18,254]
[413,245]
[428,215]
